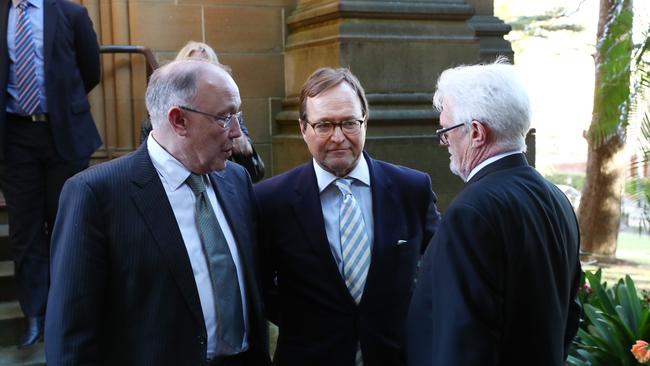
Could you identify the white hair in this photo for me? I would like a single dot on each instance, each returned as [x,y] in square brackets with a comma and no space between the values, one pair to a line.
[491,94]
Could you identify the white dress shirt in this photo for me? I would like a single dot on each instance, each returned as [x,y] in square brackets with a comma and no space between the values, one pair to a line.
[182,200]
[36,16]
[488,161]
[331,198]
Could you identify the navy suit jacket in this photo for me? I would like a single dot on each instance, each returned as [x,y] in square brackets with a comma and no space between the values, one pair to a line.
[498,282]
[319,321]
[122,289]
[71,56]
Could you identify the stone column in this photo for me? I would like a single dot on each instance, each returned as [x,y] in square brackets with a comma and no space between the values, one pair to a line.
[490,31]
[397,50]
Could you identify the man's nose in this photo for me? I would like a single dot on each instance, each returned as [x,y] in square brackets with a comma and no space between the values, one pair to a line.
[235,129]
[337,134]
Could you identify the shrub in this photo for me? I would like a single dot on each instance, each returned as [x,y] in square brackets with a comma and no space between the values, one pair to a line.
[614,319]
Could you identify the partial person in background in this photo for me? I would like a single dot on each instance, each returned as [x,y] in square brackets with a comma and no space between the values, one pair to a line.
[49,61]
[341,236]
[155,260]
[243,152]
[498,282]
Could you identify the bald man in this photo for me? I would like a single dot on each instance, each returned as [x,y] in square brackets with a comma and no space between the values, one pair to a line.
[153,262]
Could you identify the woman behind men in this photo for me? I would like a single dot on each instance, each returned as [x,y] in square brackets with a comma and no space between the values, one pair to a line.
[242,150]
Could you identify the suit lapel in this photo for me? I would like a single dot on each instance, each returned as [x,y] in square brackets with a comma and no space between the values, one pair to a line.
[4,57]
[309,214]
[233,210]
[386,211]
[151,200]
[50,20]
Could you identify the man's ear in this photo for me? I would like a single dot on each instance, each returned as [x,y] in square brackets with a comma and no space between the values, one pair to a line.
[303,127]
[177,121]
[479,133]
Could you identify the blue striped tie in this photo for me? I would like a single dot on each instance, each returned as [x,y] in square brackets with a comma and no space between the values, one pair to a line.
[355,245]
[25,69]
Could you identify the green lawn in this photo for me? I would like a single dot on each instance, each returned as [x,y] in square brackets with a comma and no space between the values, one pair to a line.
[633,247]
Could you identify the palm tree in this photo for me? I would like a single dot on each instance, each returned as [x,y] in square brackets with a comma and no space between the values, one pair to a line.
[621,81]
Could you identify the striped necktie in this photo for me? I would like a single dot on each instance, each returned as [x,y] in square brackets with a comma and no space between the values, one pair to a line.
[355,245]
[28,98]
[223,273]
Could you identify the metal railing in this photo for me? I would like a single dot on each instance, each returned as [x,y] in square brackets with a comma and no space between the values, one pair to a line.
[150,59]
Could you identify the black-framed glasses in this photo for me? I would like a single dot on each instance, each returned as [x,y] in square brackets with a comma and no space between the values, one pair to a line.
[224,120]
[442,133]
[326,128]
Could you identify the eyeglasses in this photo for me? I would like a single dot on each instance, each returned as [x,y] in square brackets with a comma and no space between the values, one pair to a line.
[326,128]
[224,120]
[442,133]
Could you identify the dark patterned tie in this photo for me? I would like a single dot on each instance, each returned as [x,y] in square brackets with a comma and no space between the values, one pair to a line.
[25,68]
[223,273]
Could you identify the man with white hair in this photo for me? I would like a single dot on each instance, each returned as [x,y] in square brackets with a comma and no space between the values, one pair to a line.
[154,255]
[497,283]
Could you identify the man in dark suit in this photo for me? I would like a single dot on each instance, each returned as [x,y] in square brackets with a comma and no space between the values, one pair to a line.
[498,282]
[341,237]
[49,61]
[154,261]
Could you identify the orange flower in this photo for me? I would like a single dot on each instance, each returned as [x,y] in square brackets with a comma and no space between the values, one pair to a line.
[641,351]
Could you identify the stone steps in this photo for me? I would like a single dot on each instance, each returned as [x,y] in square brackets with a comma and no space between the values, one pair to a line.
[33,356]
[7,282]
[12,323]
[5,250]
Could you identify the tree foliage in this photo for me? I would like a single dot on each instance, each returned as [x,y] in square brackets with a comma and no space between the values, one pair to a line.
[600,206]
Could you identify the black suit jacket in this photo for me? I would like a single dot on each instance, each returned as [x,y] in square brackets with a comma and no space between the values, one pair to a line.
[498,281]
[319,322]
[122,289]
[71,56]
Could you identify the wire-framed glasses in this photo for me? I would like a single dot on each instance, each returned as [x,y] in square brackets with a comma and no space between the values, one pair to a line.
[224,120]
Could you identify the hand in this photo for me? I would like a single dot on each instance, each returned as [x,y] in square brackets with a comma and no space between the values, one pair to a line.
[241,146]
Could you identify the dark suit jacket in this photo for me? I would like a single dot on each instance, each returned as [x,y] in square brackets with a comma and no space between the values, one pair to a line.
[319,322]
[71,55]
[122,289]
[497,283]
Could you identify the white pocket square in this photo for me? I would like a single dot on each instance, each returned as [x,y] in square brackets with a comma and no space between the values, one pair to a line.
[400,242]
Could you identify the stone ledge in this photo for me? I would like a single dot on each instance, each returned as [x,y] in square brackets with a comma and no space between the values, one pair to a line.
[32,356]
[319,13]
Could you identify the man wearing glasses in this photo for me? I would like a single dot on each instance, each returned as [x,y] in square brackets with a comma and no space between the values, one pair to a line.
[498,282]
[341,237]
[154,260]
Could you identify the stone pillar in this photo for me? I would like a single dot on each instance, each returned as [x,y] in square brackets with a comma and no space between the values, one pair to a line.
[397,50]
[490,31]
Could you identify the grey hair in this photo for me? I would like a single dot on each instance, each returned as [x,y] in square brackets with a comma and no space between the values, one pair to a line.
[491,94]
[175,84]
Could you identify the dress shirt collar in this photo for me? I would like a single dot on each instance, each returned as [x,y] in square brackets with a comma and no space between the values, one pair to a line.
[34,3]
[170,169]
[489,161]
[325,178]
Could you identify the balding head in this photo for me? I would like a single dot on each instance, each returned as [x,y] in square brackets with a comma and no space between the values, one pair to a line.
[176,84]
[189,101]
